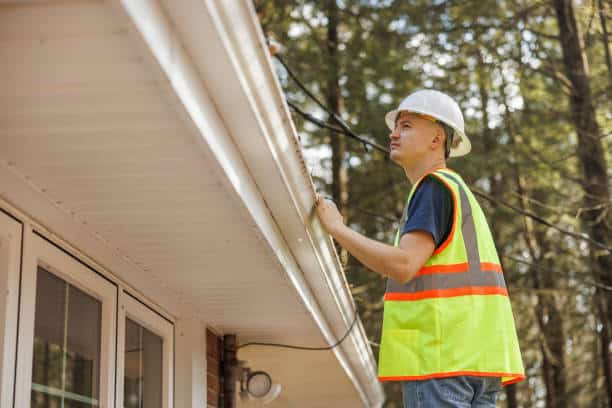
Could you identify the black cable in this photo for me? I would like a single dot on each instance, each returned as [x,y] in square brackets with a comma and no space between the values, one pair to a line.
[541,220]
[349,133]
[346,130]
[333,128]
[255,343]
[289,346]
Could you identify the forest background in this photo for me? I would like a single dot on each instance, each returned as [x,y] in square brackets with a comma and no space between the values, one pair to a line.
[533,80]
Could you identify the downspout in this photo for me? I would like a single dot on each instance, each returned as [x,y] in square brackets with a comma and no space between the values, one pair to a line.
[229,365]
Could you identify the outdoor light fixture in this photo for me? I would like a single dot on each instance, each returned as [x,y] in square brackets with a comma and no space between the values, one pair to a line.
[256,385]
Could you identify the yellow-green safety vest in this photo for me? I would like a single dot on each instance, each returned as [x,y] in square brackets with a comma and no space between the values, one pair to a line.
[454,317]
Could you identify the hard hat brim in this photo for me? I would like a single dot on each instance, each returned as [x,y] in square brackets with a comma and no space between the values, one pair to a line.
[464,146]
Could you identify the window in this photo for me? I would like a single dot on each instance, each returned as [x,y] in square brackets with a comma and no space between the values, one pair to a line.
[145,356]
[67,331]
[66,360]
[76,330]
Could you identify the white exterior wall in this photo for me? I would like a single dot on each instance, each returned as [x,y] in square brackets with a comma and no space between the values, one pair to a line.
[10,259]
[190,360]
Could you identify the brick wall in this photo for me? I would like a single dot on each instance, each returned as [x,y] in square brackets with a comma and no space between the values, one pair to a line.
[214,371]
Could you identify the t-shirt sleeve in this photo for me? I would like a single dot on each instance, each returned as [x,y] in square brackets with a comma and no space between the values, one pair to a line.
[431,210]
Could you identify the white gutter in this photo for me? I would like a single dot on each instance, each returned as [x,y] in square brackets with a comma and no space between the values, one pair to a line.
[262,157]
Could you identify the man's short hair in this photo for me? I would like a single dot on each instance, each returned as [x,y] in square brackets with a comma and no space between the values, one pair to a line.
[448,142]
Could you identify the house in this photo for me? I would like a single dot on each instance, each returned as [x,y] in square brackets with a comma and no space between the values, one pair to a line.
[156,213]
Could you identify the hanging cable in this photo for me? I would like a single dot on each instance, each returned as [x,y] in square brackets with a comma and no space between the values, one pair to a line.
[307,348]
[344,127]
[337,343]
[348,132]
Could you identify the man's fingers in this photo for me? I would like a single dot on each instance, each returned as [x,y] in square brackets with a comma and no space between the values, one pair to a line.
[318,200]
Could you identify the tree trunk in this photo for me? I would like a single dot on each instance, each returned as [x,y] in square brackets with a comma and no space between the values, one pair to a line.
[553,337]
[591,155]
[497,186]
[335,102]
[554,334]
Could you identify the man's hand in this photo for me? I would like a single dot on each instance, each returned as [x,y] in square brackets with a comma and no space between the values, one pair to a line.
[400,264]
[328,213]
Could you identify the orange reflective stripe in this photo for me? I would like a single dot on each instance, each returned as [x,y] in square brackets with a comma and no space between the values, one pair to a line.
[439,293]
[460,267]
[517,377]
[452,232]
[489,266]
[405,210]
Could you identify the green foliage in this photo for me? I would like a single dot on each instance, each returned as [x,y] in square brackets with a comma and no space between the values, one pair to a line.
[502,62]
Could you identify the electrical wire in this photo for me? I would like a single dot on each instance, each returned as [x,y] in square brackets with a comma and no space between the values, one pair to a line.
[344,127]
[293,347]
[347,132]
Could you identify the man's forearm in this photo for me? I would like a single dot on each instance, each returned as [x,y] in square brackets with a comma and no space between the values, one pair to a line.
[376,256]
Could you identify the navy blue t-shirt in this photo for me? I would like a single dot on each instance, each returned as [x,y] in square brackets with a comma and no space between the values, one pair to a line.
[431,210]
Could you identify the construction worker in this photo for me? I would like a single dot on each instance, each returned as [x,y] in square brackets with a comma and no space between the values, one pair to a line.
[448,331]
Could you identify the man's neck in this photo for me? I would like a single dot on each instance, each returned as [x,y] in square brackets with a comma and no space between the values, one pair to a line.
[418,170]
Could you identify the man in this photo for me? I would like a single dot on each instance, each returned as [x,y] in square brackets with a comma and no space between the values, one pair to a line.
[448,330]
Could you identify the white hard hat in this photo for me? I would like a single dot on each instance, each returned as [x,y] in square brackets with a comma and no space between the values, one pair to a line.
[440,106]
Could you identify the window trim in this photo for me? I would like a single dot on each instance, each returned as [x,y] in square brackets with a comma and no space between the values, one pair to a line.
[11,234]
[137,311]
[37,251]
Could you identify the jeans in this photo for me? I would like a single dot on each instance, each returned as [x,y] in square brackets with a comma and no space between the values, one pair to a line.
[464,391]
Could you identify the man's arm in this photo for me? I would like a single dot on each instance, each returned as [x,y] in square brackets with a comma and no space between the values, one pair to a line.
[399,263]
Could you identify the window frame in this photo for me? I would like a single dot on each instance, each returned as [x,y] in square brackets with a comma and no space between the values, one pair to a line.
[11,233]
[134,309]
[38,251]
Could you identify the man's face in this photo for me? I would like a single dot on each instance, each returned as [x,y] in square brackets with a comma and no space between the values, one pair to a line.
[414,137]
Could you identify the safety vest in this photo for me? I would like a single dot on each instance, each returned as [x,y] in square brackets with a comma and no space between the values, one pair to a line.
[454,317]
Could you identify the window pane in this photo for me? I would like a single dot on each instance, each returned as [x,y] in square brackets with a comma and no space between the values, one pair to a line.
[143,355]
[48,330]
[131,384]
[67,329]
[83,344]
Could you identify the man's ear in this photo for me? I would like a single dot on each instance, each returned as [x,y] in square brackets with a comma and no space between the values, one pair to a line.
[438,138]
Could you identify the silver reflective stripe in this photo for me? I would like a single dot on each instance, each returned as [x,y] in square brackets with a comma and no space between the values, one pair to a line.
[474,276]
[451,280]
[468,228]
